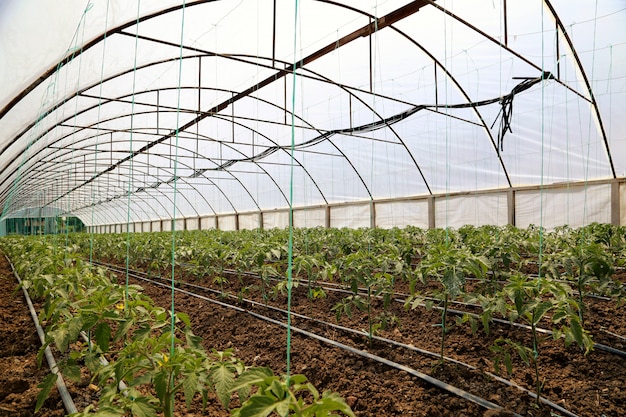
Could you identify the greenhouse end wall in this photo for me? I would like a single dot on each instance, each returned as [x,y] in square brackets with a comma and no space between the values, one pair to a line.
[572,204]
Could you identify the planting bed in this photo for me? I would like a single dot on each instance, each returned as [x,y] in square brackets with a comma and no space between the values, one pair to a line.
[591,385]
[19,372]
[233,289]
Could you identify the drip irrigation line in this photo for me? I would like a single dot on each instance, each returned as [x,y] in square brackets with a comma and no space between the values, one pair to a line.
[353,331]
[68,403]
[598,346]
[424,377]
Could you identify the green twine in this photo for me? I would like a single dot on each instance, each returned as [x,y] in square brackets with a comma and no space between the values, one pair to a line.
[172,280]
[290,243]
[93,208]
[132,118]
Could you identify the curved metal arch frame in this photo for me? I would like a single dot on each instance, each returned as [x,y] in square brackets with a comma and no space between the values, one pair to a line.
[579,65]
[60,204]
[281,73]
[329,2]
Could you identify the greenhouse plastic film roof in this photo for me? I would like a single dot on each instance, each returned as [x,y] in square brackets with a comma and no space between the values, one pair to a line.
[120,111]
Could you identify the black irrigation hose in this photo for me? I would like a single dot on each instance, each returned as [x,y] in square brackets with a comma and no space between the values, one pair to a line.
[70,407]
[391,342]
[598,346]
[433,381]
[346,329]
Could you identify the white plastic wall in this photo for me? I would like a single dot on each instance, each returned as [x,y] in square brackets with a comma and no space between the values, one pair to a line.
[575,206]
[402,213]
[227,222]
[473,209]
[315,217]
[352,216]
[207,223]
[249,221]
[191,224]
[275,219]
[156,226]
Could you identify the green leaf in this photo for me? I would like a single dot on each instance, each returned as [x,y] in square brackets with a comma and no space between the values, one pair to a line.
[541,309]
[72,372]
[330,401]
[184,317]
[260,406]
[140,407]
[253,376]
[102,334]
[122,329]
[190,387]
[160,381]
[222,377]
[61,338]
[46,386]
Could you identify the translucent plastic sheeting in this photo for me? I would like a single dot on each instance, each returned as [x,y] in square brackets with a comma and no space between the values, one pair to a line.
[574,206]
[351,216]
[276,219]
[249,221]
[476,210]
[402,213]
[313,217]
[391,99]
[227,222]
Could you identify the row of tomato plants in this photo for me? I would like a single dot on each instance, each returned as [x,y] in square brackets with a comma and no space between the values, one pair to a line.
[436,264]
[153,355]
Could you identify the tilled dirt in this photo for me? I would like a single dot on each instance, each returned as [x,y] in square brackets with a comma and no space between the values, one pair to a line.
[592,385]
[19,343]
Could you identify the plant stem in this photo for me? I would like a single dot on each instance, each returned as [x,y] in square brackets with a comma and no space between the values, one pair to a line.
[536,361]
[581,306]
[369,313]
[443,326]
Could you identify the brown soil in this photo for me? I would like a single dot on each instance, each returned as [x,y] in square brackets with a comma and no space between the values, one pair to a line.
[19,343]
[592,385]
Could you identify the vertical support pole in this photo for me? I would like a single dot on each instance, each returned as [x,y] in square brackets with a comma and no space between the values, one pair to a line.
[199,223]
[431,212]
[236,221]
[327,217]
[372,214]
[615,203]
[510,205]
[261,220]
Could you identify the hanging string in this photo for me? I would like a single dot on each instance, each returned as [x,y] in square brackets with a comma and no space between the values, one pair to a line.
[447,122]
[132,119]
[373,51]
[291,166]
[93,185]
[590,123]
[75,170]
[173,259]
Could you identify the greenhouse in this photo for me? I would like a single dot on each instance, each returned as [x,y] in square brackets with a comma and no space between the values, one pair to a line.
[275,188]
